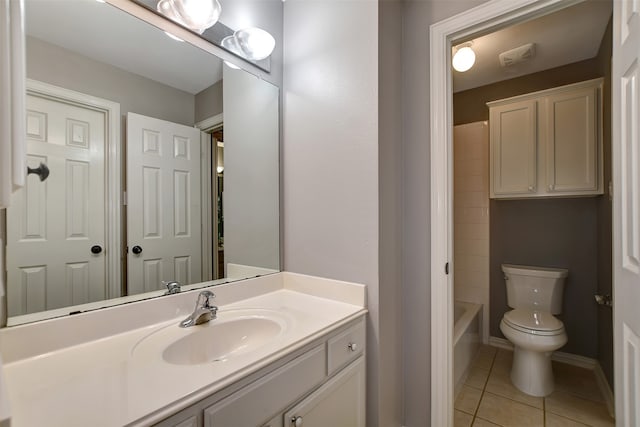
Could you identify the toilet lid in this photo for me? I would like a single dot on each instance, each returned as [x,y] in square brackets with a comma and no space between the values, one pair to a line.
[535,322]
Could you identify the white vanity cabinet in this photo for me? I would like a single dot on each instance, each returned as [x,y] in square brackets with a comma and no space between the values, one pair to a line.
[548,143]
[324,385]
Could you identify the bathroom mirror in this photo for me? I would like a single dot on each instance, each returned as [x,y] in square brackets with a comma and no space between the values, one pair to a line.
[149,161]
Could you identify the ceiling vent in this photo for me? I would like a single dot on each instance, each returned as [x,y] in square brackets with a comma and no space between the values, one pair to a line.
[517,55]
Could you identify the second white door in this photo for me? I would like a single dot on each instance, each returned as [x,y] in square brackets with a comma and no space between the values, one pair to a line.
[163,203]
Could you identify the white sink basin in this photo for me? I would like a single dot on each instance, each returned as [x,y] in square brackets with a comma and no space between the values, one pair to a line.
[233,333]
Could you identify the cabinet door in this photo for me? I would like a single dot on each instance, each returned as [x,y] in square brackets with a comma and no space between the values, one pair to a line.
[260,400]
[513,130]
[572,142]
[338,403]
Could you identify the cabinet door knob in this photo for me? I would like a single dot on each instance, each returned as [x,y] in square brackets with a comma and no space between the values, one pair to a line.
[296,421]
[551,187]
[352,346]
[531,188]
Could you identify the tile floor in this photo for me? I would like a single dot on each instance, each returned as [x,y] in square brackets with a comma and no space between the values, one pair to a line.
[489,399]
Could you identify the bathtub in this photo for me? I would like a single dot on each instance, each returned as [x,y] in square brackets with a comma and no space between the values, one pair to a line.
[467,324]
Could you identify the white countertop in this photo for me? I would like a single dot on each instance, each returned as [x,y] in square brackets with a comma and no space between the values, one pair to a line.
[103,382]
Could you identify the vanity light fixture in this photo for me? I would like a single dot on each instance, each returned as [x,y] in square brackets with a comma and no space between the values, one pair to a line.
[197,15]
[463,58]
[232,66]
[251,43]
[171,36]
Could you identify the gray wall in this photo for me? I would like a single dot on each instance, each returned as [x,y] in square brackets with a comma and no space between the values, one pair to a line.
[416,308]
[605,271]
[54,65]
[390,213]
[330,158]
[550,233]
[209,102]
[251,184]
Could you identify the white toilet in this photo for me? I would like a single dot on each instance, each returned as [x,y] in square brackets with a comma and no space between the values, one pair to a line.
[535,294]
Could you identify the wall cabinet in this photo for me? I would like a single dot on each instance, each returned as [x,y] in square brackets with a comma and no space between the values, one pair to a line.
[322,386]
[548,143]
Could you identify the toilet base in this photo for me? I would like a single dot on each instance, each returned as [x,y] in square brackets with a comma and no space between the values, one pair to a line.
[531,372]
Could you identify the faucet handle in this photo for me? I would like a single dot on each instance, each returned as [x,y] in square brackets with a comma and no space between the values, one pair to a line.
[173,287]
[204,299]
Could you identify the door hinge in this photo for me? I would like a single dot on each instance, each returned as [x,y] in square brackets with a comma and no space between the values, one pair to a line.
[446,269]
[124,198]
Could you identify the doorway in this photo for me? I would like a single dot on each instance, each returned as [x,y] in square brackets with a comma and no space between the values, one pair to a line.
[481,20]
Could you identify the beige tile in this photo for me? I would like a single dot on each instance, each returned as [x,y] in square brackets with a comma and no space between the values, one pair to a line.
[578,409]
[471,231]
[460,419]
[477,377]
[503,361]
[553,420]
[576,380]
[479,422]
[500,383]
[509,413]
[484,357]
[468,399]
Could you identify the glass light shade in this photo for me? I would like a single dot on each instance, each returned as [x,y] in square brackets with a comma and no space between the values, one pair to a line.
[255,43]
[463,59]
[197,15]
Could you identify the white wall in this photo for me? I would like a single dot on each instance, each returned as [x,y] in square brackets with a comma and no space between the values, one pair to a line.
[330,152]
[418,15]
[251,175]
[471,217]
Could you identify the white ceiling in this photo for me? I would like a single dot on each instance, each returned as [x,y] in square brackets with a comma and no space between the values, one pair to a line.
[107,34]
[570,35]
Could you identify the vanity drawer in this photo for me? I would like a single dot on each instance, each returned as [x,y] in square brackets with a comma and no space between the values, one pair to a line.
[345,347]
[255,403]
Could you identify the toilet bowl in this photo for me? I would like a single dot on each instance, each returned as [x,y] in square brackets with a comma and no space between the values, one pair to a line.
[535,294]
[535,336]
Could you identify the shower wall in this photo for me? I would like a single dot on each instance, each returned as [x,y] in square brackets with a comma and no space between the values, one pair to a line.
[471,217]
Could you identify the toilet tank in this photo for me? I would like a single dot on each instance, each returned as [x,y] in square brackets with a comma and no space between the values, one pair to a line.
[534,288]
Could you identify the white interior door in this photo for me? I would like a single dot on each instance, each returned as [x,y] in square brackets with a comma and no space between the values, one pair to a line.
[163,208]
[52,225]
[626,210]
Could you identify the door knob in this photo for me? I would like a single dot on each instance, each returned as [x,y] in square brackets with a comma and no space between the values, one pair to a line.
[136,250]
[296,421]
[96,249]
[42,171]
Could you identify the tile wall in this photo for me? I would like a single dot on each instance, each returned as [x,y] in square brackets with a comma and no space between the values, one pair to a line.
[471,216]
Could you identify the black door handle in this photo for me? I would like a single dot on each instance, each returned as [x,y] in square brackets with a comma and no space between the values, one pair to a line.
[42,171]
[136,250]
[96,249]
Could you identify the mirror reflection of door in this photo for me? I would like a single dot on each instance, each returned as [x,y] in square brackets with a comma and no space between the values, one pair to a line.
[163,207]
[56,227]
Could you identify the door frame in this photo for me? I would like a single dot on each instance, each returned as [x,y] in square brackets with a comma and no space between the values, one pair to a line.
[208,187]
[113,172]
[483,19]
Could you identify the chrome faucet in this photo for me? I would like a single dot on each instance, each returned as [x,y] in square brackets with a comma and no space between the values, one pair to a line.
[203,312]
[173,287]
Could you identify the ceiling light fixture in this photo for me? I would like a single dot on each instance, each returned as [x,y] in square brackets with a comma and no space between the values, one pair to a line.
[252,43]
[463,58]
[197,15]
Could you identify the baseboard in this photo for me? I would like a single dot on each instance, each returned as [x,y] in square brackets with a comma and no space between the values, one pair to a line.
[607,393]
[575,360]
[558,356]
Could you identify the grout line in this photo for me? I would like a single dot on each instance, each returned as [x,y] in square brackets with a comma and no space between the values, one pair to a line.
[475,413]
